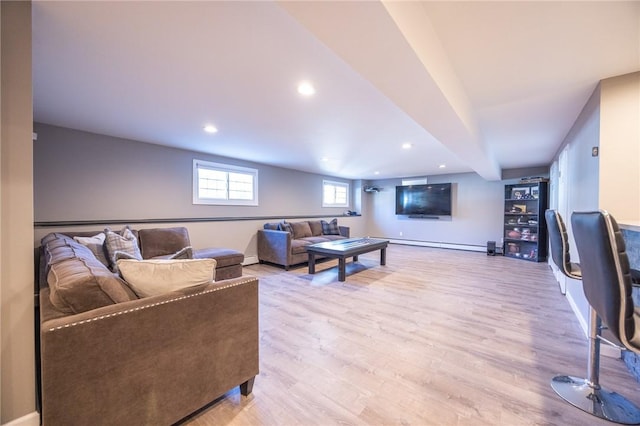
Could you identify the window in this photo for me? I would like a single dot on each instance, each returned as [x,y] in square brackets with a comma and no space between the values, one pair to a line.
[335,194]
[215,183]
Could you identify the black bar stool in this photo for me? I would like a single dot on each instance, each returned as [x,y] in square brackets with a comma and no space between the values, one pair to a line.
[606,281]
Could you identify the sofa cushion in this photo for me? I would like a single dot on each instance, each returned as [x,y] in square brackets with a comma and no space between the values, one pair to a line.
[157,242]
[298,246]
[78,281]
[151,277]
[316,227]
[96,245]
[286,227]
[274,226]
[334,237]
[185,253]
[224,257]
[316,240]
[301,229]
[125,242]
[330,228]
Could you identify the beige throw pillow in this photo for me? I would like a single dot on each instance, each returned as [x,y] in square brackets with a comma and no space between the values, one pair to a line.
[158,276]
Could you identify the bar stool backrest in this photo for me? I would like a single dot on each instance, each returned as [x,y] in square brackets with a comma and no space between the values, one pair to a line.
[559,240]
[606,274]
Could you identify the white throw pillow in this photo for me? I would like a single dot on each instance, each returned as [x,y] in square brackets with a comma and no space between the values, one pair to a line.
[158,276]
[96,245]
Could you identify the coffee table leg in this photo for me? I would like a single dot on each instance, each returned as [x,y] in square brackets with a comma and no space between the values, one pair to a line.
[341,269]
[383,256]
[355,258]
[312,263]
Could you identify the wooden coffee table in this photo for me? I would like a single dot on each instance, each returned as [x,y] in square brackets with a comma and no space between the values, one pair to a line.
[342,249]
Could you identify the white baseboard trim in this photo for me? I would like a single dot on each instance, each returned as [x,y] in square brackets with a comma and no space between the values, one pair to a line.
[250,260]
[31,419]
[440,245]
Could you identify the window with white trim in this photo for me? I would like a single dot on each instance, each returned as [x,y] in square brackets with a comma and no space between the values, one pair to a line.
[216,183]
[335,194]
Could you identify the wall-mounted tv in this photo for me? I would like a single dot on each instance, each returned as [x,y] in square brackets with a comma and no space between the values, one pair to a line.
[424,200]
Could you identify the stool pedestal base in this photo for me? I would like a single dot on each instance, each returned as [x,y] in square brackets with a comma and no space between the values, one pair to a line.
[598,402]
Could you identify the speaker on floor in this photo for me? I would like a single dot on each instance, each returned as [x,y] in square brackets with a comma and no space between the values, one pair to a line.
[491,248]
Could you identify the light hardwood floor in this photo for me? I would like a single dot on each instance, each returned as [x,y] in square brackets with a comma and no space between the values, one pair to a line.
[435,337]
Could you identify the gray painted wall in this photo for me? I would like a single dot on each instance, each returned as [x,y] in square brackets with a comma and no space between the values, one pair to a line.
[609,121]
[581,186]
[477,212]
[86,176]
[82,176]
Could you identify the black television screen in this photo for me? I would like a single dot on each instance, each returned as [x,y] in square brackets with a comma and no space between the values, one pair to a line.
[428,200]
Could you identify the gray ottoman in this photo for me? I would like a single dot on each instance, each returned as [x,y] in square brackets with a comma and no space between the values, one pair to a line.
[229,262]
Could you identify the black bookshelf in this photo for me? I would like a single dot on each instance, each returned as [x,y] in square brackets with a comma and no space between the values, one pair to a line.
[525,230]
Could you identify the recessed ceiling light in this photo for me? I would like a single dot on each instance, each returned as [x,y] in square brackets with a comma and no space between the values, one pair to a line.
[324,159]
[209,128]
[376,173]
[306,89]
[442,166]
[406,145]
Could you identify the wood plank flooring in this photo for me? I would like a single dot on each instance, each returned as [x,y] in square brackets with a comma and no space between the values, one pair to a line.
[435,337]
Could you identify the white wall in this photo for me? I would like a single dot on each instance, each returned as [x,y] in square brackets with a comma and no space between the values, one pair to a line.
[17,374]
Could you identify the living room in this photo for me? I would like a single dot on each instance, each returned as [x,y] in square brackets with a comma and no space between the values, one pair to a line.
[85,176]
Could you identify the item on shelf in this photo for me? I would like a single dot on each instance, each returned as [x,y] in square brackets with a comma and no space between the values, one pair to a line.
[525,233]
[514,233]
[533,179]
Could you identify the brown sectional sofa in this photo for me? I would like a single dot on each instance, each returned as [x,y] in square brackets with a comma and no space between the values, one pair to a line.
[162,242]
[108,357]
[285,245]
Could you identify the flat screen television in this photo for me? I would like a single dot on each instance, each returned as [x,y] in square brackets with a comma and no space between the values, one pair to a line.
[424,200]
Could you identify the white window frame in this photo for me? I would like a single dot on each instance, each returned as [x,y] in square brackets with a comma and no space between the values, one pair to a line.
[226,168]
[335,185]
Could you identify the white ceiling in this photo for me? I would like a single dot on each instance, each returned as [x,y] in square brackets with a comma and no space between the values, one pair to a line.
[478,86]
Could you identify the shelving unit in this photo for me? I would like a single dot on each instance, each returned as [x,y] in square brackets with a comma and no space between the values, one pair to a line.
[525,230]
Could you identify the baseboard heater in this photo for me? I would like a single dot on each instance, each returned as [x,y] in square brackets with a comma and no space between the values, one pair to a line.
[453,246]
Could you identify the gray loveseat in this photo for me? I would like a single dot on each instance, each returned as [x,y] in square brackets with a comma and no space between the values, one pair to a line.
[283,243]
[108,357]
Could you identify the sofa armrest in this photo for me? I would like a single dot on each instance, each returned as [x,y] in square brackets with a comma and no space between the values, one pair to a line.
[345,231]
[274,246]
[149,361]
